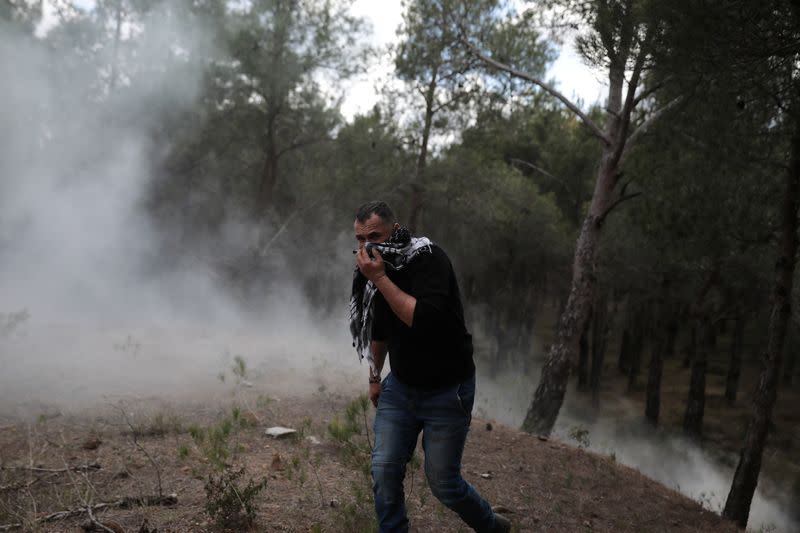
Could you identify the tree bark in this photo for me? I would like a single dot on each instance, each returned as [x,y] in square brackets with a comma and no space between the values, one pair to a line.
[636,348]
[583,355]
[543,410]
[737,506]
[623,362]
[791,359]
[696,404]
[653,402]
[422,158]
[691,348]
[269,171]
[599,341]
[616,141]
[659,348]
[672,336]
[735,364]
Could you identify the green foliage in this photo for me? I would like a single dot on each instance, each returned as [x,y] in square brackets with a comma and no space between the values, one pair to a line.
[213,441]
[183,452]
[580,435]
[239,368]
[159,424]
[351,435]
[230,504]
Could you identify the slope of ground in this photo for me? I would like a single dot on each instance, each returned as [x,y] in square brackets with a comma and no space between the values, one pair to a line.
[546,485]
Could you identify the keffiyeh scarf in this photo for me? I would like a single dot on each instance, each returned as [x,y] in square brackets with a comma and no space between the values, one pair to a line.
[397,252]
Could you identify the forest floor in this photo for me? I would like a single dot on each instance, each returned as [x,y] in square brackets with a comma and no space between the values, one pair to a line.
[314,480]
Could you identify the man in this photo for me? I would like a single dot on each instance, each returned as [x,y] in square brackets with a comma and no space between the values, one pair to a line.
[406,301]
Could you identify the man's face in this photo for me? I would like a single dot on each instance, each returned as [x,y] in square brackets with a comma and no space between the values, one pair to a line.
[372,230]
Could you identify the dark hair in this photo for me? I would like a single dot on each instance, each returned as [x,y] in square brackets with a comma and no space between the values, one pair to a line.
[381,209]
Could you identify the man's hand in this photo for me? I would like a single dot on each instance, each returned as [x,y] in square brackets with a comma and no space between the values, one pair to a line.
[372,267]
[374,392]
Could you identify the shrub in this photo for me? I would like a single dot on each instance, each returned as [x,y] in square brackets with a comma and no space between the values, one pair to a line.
[232,506]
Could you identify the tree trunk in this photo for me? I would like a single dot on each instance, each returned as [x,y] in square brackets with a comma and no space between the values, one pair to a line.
[790,352]
[659,347]
[672,336]
[549,395]
[583,355]
[599,340]
[735,365]
[269,173]
[636,350]
[623,363]
[653,402]
[691,348]
[695,407]
[422,158]
[737,506]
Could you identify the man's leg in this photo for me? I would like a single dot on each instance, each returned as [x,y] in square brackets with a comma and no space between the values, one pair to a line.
[446,420]
[396,431]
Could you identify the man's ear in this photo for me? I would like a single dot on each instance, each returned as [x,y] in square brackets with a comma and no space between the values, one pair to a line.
[396,225]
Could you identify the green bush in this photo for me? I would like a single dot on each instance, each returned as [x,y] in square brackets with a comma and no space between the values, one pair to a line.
[231,505]
[351,435]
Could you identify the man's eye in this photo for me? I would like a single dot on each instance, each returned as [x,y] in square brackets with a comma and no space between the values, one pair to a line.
[360,239]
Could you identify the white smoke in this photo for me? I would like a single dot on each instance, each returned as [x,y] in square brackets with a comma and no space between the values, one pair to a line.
[670,460]
[89,309]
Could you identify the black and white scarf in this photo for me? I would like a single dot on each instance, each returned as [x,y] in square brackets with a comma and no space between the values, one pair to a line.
[397,252]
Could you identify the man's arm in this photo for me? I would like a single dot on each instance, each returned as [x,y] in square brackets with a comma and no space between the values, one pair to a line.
[378,349]
[401,303]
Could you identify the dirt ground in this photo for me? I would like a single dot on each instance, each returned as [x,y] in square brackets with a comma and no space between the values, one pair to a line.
[545,485]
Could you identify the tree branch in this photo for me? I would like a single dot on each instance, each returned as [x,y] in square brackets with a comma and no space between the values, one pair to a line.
[643,128]
[543,172]
[647,92]
[602,218]
[123,503]
[81,468]
[630,100]
[595,129]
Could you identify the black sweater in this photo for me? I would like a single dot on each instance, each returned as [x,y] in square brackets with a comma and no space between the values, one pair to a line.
[436,351]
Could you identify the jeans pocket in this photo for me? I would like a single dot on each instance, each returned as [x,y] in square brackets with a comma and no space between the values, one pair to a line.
[466,399]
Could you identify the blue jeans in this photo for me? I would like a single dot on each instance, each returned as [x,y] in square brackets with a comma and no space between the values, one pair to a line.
[443,416]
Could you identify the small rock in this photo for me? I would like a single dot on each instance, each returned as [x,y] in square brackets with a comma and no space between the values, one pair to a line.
[488,426]
[486,475]
[313,440]
[334,503]
[277,462]
[277,432]
[541,438]
[587,524]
